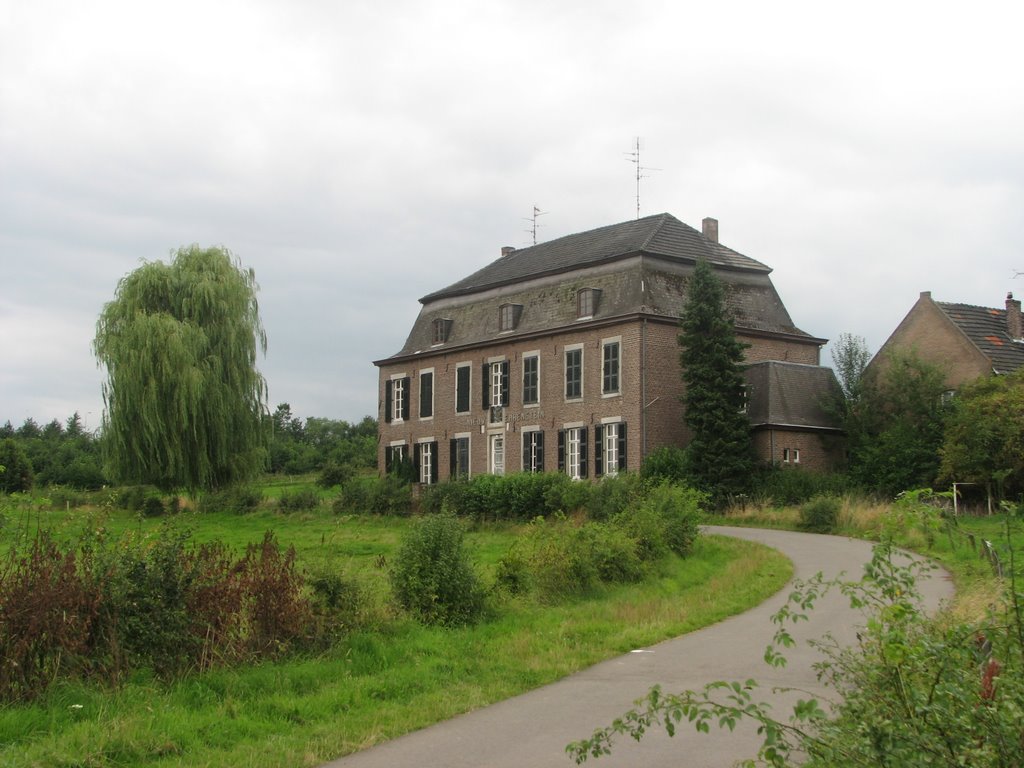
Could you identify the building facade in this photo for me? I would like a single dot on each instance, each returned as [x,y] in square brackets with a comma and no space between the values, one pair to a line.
[962,340]
[564,357]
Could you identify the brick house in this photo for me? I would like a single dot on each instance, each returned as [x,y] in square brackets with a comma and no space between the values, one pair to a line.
[963,340]
[564,356]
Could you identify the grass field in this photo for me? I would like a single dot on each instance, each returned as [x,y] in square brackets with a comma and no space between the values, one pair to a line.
[379,682]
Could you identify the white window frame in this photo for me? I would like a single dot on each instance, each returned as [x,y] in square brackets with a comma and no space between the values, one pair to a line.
[494,372]
[397,390]
[529,462]
[610,448]
[427,459]
[492,465]
[573,440]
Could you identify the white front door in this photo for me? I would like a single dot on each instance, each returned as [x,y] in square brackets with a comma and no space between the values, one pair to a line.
[497,458]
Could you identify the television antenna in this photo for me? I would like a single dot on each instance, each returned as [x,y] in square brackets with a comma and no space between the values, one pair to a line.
[634,157]
[533,222]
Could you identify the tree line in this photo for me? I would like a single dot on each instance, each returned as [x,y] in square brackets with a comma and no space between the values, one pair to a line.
[67,454]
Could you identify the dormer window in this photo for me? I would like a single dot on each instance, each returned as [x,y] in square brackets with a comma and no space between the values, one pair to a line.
[508,316]
[586,302]
[442,327]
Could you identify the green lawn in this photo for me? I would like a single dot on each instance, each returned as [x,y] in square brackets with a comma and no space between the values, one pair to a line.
[377,683]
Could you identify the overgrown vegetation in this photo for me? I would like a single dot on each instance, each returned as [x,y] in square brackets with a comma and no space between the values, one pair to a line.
[328,606]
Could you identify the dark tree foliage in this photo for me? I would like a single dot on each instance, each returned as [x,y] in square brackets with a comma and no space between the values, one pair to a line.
[65,455]
[185,404]
[300,447]
[720,454]
[16,473]
[896,431]
[983,441]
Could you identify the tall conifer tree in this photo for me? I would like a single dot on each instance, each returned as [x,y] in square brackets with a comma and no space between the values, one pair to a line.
[720,453]
[184,402]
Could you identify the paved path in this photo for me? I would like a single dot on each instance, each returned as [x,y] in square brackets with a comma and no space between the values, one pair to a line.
[531,730]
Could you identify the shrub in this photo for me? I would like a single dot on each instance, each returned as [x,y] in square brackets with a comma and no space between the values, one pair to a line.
[520,496]
[789,486]
[46,617]
[820,514]
[334,474]
[153,506]
[666,519]
[614,495]
[666,464]
[612,551]
[277,611]
[432,576]
[375,495]
[339,604]
[298,501]
[16,475]
[238,499]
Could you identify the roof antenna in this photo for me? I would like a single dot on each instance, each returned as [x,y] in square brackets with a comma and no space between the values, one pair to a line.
[533,219]
[634,157]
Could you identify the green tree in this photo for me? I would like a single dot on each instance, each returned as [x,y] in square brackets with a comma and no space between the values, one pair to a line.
[720,453]
[895,440]
[185,404]
[984,436]
[15,468]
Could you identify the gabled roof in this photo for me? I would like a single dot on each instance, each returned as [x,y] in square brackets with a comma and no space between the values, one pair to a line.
[987,330]
[659,236]
[793,395]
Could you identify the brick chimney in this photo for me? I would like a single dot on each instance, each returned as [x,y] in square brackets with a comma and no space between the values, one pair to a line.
[710,227]
[506,250]
[1013,322]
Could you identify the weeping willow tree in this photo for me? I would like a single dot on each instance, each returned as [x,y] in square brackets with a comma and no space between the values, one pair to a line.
[184,404]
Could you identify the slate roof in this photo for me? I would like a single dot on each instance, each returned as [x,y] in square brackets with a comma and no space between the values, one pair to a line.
[662,235]
[785,394]
[638,268]
[986,328]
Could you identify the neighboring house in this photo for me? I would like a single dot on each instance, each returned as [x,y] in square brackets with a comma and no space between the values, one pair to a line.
[564,356]
[964,341]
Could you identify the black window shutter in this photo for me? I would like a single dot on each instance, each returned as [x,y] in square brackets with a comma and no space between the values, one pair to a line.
[598,450]
[462,395]
[388,459]
[426,395]
[406,393]
[416,457]
[525,442]
[388,390]
[485,386]
[583,451]
[434,461]
[504,383]
[453,459]
[622,447]
[540,451]
[561,450]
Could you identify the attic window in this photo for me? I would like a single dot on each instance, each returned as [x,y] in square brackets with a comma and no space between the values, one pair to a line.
[508,316]
[442,327]
[586,302]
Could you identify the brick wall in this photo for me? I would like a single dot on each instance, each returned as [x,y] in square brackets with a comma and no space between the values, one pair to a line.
[651,345]
[807,450]
[929,333]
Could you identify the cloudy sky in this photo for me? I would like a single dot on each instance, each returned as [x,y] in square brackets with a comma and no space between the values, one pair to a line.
[360,154]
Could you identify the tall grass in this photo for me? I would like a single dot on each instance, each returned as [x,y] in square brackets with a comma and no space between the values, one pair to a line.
[375,685]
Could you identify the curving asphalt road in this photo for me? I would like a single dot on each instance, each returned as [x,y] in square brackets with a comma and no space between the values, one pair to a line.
[533,729]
